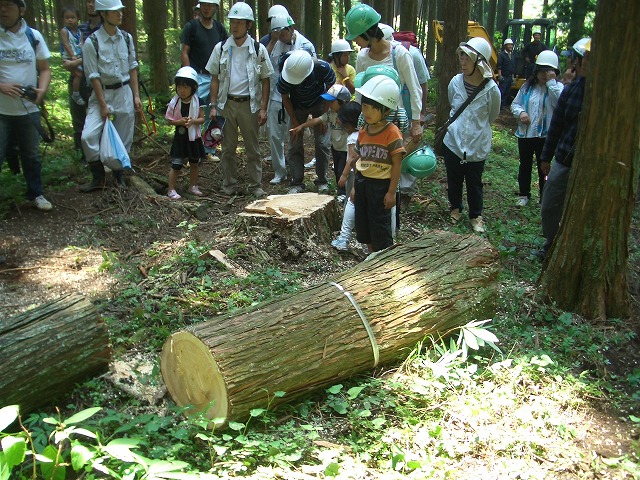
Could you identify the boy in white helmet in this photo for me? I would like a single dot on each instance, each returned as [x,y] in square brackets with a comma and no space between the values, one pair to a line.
[22,51]
[110,64]
[240,71]
[381,148]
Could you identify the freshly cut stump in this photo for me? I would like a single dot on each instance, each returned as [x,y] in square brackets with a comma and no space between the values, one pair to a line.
[44,352]
[300,215]
[315,337]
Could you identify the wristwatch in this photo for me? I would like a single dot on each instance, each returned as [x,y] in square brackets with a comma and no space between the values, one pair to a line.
[212,105]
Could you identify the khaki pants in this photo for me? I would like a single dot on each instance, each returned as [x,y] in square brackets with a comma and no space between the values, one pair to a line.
[238,116]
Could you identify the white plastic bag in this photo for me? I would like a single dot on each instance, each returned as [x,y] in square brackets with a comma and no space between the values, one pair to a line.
[112,151]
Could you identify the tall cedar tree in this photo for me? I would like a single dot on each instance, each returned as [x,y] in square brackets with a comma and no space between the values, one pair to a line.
[454,16]
[586,272]
[155,19]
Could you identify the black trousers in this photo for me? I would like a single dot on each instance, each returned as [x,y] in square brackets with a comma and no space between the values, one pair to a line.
[527,148]
[459,172]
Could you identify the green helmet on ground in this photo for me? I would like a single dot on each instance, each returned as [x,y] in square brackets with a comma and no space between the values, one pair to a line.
[359,19]
[420,163]
[375,70]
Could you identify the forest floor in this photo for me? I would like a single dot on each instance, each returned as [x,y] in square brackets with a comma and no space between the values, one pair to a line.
[72,248]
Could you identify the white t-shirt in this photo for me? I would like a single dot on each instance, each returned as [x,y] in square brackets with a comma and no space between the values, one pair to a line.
[338,135]
[239,80]
[18,66]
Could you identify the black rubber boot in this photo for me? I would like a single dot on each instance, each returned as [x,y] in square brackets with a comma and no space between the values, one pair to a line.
[119,177]
[98,180]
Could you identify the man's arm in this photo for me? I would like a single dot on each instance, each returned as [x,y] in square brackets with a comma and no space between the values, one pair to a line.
[44,79]
[264,103]
[133,83]
[288,106]
[213,95]
[184,56]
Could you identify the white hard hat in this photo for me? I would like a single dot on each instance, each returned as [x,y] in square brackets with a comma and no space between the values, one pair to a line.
[582,46]
[547,58]
[281,21]
[277,10]
[382,90]
[215,2]
[241,11]
[476,46]
[108,5]
[297,67]
[187,72]
[340,46]
[508,41]
[387,31]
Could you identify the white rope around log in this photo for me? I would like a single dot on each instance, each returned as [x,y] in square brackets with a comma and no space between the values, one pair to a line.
[367,327]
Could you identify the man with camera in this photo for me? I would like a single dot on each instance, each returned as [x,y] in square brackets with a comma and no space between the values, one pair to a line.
[24,79]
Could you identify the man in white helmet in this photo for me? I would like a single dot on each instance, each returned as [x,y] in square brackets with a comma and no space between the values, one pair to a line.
[24,79]
[275,10]
[506,69]
[240,71]
[198,37]
[284,38]
[302,82]
[110,64]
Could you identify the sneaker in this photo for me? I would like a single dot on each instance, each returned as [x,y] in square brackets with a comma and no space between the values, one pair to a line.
[340,244]
[173,195]
[258,192]
[296,189]
[455,215]
[195,190]
[230,191]
[213,158]
[477,225]
[310,164]
[522,201]
[323,188]
[42,203]
[341,199]
[277,179]
[76,97]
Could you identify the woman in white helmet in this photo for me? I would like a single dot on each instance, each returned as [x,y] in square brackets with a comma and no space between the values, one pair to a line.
[533,108]
[468,139]
[339,61]
[109,62]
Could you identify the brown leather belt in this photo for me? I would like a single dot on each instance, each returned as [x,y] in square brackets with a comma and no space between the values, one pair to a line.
[238,99]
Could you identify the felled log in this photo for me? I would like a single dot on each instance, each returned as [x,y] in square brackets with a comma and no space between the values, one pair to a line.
[44,352]
[372,314]
[300,215]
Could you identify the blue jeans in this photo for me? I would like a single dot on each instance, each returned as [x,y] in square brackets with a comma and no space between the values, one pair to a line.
[22,130]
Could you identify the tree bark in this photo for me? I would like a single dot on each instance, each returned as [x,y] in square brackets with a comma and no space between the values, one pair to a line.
[579,9]
[316,337]
[517,8]
[129,20]
[46,351]
[312,25]
[586,272]
[455,16]
[326,27]
[408,16]
[155,18]
[491,18]
[502,15]
[261,17]
[186,11]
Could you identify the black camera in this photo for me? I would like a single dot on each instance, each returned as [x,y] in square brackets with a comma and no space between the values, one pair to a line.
[29,92]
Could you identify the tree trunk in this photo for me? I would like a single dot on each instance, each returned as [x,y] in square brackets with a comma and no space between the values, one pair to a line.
[175,21]
[347,7]
[311,24]
[491,18]
[316,337]
[430,52]
[261,17]
[579,9]
[502,15]
[155,18]
[129,20]
[326,25]
[46,351]
[455,16]
[586,272]
[517,8]
[186,11]
[408,16]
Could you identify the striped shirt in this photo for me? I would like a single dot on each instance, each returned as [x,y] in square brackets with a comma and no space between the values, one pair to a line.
[307,94]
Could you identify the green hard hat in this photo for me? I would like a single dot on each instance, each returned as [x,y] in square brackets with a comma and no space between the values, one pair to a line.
[375,70]
[359,19]
[420,163]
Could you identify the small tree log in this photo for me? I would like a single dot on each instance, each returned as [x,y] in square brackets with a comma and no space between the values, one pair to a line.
[300,215]
[315,337]
[44,352]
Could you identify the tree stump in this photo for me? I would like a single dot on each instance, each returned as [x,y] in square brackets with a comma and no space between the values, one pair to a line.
[44,352]
[301,216]
[372,314]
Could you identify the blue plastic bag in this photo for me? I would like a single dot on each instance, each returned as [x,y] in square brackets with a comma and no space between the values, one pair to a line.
[112,151]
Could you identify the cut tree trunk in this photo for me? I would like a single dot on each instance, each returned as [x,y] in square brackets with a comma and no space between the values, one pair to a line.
[316,337]
[44,352]
[301,215]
